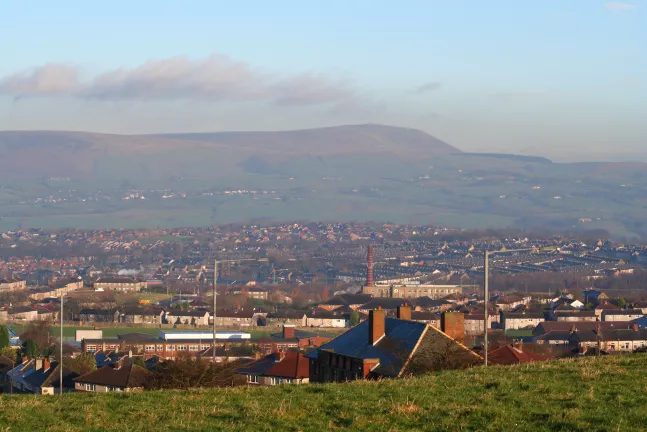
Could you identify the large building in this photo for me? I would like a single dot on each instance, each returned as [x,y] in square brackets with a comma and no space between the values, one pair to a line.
[412,290]
[119,283]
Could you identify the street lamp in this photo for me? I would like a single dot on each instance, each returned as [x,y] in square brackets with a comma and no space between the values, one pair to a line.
[60,365]
[486,315]
[215,281]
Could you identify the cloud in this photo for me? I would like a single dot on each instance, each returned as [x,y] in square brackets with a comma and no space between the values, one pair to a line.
[427,87]
[618,6]
[51,79]
[522,95]
[217,78]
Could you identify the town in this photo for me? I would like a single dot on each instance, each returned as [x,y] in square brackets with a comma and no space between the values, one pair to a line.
[132,310]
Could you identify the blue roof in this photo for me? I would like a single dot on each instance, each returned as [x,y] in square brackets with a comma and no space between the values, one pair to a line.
[392,350]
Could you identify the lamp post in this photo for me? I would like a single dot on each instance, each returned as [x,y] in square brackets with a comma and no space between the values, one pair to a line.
[486,301]
[60,365]
[215,281]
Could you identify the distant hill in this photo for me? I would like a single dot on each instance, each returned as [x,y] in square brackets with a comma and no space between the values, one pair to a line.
[25,154]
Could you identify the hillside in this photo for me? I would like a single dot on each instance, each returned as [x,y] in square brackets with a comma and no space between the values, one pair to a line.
[38,154]
[361,173]
[590,394]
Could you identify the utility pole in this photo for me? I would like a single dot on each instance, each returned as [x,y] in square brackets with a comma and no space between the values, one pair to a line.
[215,281]
[60,365]
[486,314]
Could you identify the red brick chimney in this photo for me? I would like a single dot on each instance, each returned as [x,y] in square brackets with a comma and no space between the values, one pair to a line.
[376,325]
[46,364]
[635,327]
[289,332]
[453,325]
[369,264]
[404,312]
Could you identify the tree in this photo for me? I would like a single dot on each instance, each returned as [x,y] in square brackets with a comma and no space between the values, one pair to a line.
[622,303]
[354,318]
[39,332]
[5,340]
[186,372]
[30,348]
[139,361]
[9,352]
[85,363]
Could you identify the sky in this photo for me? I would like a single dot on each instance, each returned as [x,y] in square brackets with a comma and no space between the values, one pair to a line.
[560,78]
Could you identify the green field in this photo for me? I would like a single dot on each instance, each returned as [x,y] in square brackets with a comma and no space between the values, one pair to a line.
[606,394]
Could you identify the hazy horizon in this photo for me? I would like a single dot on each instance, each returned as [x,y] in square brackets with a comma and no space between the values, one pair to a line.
[555,79]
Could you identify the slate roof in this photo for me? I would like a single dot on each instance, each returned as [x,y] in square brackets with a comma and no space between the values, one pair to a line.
[555,335]
[127,376]
[384,303]
[354,343]
[611,335]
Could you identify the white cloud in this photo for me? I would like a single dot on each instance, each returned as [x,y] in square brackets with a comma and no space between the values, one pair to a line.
[216,78]
[619,6]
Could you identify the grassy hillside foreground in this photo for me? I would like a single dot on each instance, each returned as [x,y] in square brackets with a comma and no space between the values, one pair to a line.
[608,394]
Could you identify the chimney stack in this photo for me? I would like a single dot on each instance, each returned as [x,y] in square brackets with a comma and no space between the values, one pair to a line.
[404,312]
[376,325]
[289,331]
[369,265]
[453,325]
[38,364]
[46,364]
[635,327]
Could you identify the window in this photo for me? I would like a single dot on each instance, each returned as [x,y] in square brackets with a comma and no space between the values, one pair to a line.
[91,348]
[276,381]
[90,387]
[193,348]
[181,347]
[149,348]
[160,347]
[170,347]
[252,379]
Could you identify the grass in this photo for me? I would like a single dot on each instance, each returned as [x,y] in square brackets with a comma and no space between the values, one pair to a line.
[607,394]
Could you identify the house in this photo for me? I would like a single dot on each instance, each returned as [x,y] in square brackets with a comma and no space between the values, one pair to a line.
[45,379]
[278,368]
[391,347]
[12,284]
[593,296]
[622,315]
[475,322]
[548,326]
[426,317]
[284,317]
[610,340]
[99,315]
[387,304]
[235,318]
[554,337]
[353,301]
[574,315]
[196,318]
[324,318]
[117,377]
[119,283]
[22,313]
[521,320]
[514,354]
[290,338]
[642,306]
[141,316]
[604,306]
[508,302]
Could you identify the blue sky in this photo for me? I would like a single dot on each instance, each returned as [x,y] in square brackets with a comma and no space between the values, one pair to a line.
[563,78]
